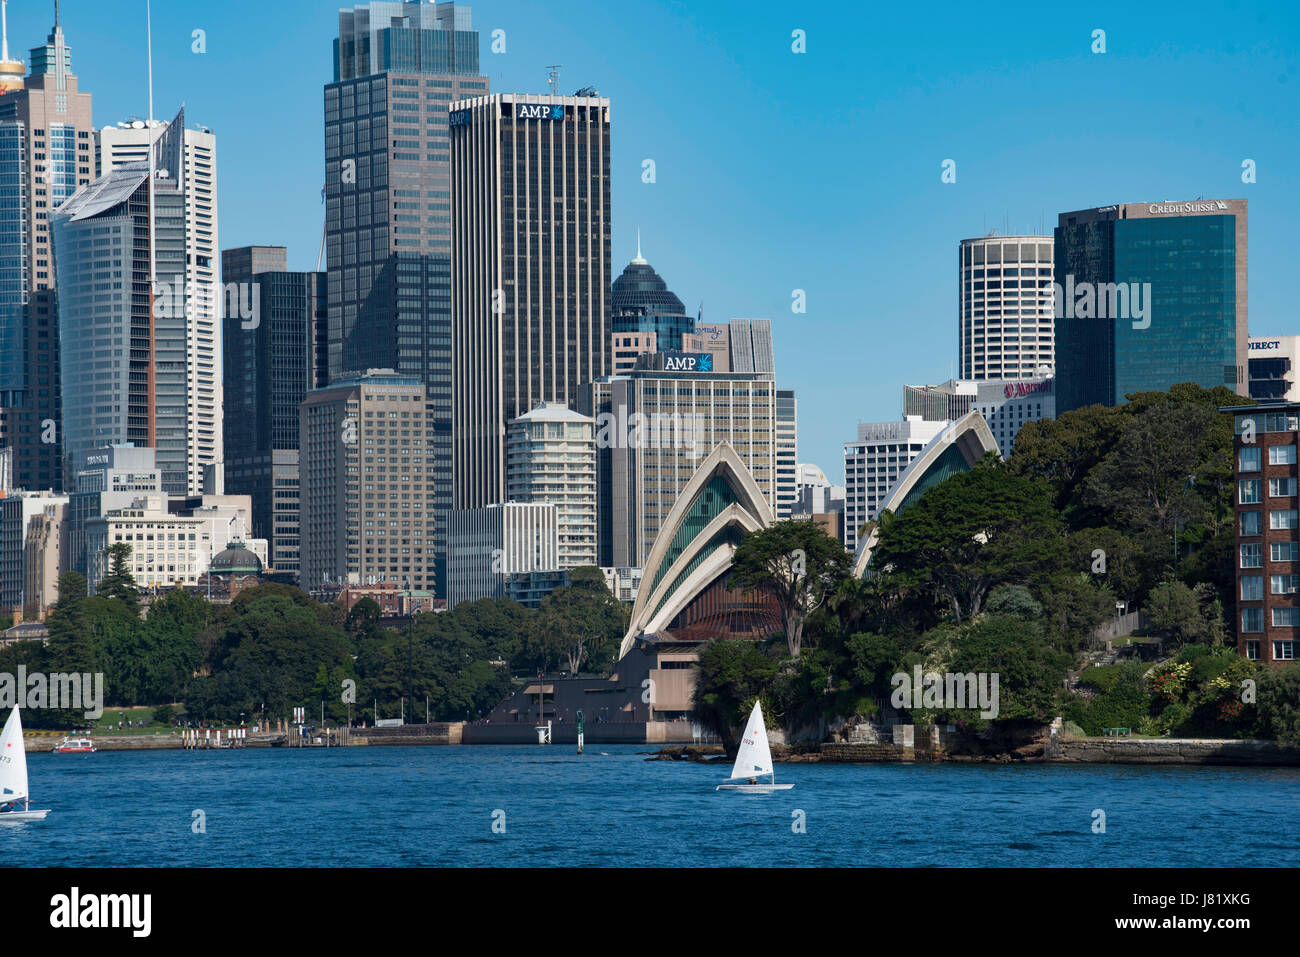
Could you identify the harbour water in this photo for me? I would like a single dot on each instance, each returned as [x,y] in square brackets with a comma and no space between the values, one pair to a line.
[547,806]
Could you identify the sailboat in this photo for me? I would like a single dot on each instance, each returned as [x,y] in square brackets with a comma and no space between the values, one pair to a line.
[13,773]
[753,758]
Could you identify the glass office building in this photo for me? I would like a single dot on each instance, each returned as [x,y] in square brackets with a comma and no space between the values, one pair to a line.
[1147,296]
[397,66]
[640,301]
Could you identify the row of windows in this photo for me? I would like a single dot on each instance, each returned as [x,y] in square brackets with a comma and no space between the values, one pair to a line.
[1278,518]
[1282,650]
[1252,587]
[1252,554]
[1248,457]
[1249,489]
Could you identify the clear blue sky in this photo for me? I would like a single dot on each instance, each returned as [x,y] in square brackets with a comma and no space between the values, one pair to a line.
[778,171]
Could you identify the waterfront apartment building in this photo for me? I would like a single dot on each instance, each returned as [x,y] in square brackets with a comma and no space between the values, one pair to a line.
[551,458]
[1274,368]
[1005,307]
[490,546]
[124,364]
[274,347]
[873,463]
[1268,531]
[1176,275]
[46,152]
[188,293]
[1006,404]
[365,447]
[531,255]
[397,66]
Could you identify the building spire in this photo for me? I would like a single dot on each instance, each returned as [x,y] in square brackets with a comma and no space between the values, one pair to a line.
[640,260]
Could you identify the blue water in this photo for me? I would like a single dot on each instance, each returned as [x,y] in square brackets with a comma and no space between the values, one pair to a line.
[432,806]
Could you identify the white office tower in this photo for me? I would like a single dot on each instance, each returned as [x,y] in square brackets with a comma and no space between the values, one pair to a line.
[1007,329]
[189,157]
[874,462]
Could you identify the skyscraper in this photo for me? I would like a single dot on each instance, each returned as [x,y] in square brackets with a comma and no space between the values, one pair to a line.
[640,301]
[45,154]
[531,261]
[397,66]
[272,359]
[1005,307]
[124,352]
[364,444]
[188,159]
[1150,295]
[787,453]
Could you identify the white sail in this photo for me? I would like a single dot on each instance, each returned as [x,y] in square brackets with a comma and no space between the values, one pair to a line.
[754,757]
[13,761]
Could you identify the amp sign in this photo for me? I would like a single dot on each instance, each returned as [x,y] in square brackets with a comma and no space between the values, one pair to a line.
[688,362]
[539,111]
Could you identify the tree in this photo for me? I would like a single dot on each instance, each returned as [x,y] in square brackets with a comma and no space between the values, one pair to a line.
[582,621]
[797,564]
[733,675]
[971,532]
[119,583]
[1279,702]
[1173,608]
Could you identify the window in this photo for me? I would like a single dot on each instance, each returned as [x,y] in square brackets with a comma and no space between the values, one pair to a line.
[1252,556]
[1283,518]
[1252,619]
[1250,523]
[1281,552]
[1284,651]
[1252,650]
[1277,455]
[1280,584]
[1281,487]
[1286,617]
[1248,491]
[1252,587]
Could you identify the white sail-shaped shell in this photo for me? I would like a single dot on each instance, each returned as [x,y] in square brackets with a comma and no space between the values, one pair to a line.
[13,761]
[754,756]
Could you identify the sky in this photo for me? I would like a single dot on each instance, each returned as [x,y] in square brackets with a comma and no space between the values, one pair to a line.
[778,171]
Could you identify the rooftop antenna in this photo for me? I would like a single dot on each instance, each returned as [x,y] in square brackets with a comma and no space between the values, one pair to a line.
[553,78]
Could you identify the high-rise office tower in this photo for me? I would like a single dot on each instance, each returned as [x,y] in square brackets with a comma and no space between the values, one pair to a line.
[45,154]
[551,457]
[640,301]
[1150,295]
[188,158]
[272,338]
[531,262]
[787,453]
[1005,307]
[873,463]
[124,346]
[397,66]
[364,444]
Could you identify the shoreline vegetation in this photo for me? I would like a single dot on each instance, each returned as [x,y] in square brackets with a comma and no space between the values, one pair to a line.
[1013,578]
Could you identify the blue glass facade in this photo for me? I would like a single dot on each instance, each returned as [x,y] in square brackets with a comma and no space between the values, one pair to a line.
[13,265]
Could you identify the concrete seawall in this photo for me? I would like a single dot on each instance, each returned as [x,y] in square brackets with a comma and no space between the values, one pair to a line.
[1176,751]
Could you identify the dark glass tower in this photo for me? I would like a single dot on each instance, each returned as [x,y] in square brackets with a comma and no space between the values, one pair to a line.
[1176,275]
[397,66]
[640,301]
[271,362]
